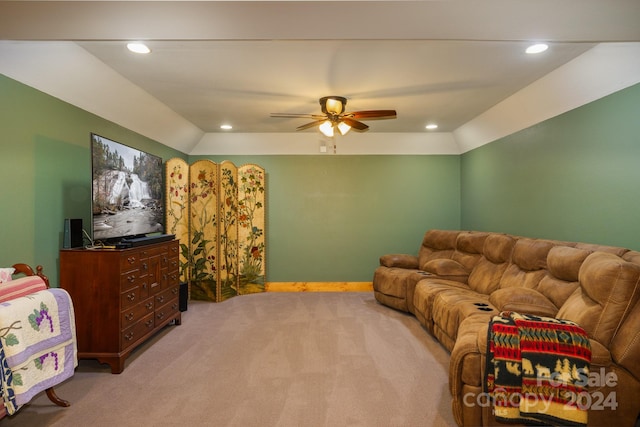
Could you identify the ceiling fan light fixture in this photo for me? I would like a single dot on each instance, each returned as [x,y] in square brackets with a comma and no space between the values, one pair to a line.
[326,128]
[333,104]
[343,128]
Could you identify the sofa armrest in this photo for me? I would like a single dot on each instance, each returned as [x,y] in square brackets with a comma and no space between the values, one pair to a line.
[523,300]
[399,261]
[466,370]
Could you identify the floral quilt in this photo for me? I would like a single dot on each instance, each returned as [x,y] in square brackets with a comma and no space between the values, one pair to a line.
[37,345]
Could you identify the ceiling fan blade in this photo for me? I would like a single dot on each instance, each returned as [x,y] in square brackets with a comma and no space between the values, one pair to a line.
[298,116]
[311,124]
[373,114]
[355,124]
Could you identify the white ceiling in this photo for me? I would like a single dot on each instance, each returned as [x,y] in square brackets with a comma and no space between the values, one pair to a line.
[241,82]
[236,62]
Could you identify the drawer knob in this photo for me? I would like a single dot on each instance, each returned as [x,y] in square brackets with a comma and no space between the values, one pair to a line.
[129,317]
[131,296]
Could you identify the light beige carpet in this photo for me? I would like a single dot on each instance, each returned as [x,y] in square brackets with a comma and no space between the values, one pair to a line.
[270,359]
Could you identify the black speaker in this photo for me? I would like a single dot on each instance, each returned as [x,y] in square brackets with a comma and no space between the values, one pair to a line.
[72,233]
[183,296]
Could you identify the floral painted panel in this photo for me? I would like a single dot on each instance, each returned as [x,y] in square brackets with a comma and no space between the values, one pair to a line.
[228,231]
[203,220]
[177,211]
[217,211]
[251,223]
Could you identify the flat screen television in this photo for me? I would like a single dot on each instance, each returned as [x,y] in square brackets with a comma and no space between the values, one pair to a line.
[126,192]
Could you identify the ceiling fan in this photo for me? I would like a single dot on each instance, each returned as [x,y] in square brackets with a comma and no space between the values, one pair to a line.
[334,117]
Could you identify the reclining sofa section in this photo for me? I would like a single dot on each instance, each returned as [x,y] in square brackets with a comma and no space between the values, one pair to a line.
[461,279]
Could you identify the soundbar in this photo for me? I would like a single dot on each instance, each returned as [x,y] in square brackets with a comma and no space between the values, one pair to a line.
[133,242]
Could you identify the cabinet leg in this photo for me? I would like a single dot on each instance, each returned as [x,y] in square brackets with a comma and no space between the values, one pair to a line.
[116,363]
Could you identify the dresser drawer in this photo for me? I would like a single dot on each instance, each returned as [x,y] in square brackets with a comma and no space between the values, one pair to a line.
[129,280]
[174,263]
[166,311]
[130,298]
[130,261]
[135,313]
[174,249]
[167,296]
[173,278]
[136,331]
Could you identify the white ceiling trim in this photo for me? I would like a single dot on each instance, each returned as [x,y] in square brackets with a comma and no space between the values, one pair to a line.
[312,143]
[602,70]
[68,72]
[75,76]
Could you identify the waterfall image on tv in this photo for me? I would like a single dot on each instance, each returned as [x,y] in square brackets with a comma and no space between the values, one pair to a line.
[127,191]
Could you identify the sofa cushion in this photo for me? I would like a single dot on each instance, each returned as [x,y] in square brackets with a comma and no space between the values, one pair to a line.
[531,254]
[523,300]
[498,247]
[601,309]
[451,307]
[437,244]
[564,262]
[528,263]
[425,292]
[21,287]
[563,265]
[469,248]
[485,276]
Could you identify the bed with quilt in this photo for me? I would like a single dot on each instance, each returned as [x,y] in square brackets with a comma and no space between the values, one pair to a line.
[37,337]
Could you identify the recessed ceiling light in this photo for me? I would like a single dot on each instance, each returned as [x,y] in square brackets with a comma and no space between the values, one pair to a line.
[431,126]
[138,47]
[537,48]
[226,127]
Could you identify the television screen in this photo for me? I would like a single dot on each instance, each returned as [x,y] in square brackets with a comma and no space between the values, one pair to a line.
[127,191]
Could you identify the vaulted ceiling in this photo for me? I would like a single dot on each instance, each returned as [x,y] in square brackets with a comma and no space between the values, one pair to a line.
[214,63]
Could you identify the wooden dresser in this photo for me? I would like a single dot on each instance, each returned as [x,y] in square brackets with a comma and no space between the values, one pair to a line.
[121,297]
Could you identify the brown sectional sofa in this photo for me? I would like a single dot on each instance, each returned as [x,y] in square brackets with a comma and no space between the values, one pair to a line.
[461,279]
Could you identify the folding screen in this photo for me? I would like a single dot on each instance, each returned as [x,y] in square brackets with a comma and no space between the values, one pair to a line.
[217,211]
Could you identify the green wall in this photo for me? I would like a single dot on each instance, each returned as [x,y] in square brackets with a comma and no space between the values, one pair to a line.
[46,171]
[574,177]
[329,218]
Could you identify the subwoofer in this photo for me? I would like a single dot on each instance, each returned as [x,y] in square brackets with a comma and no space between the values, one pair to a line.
[183,296]
[72,233]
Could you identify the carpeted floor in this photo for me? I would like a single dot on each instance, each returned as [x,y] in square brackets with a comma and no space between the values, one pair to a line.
[272,359]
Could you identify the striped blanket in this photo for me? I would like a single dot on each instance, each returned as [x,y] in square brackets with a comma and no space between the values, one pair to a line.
[37,345]
[537,370]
